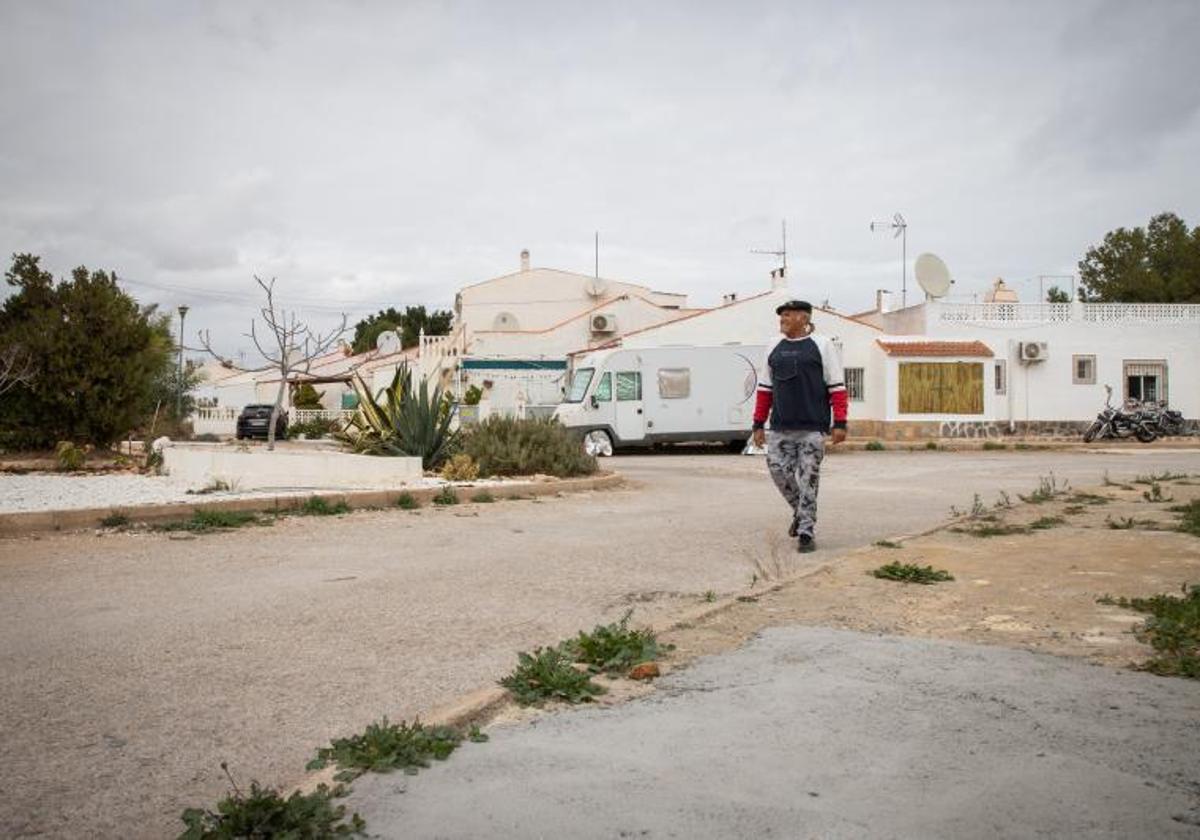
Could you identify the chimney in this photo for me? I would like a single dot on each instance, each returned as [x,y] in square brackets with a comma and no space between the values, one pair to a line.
[525,260]
[883,300]
[779,278]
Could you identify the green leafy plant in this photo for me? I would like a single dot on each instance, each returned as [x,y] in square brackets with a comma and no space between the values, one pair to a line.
[203,521]
[992,446]
[473,395]
[709,596]
[314,429]
[385,747]
[1048,488]
[460,467]
[318,506]
[912,573]
[874,446]
[69,456]
[1173,630]
[614,648]
[1155,494]
[446,496]
[402,420]
[407,501]
[483,497]
[548,674]
[476,736]
[511,446]
[305,396]
[114,520]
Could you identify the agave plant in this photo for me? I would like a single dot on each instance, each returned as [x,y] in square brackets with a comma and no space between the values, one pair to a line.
[402,420]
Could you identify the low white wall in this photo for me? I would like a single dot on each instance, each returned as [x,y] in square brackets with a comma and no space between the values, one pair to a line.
[199,465]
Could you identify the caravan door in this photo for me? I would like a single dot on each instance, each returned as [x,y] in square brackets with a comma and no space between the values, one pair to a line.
[630,422]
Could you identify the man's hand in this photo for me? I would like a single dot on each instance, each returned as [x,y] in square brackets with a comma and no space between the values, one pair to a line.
[837,436]
[759,437]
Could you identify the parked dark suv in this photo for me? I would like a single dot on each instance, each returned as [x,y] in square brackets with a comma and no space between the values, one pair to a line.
[254,420]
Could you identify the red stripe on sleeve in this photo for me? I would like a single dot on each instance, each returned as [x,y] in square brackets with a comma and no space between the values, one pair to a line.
[840,405]
[762,406]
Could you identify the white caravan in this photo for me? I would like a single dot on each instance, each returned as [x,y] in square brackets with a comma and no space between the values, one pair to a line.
[643,396]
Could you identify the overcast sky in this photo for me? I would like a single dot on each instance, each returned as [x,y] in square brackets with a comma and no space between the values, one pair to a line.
[373,154]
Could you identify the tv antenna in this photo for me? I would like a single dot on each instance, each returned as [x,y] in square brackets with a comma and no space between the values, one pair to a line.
[900,227]
[781,253]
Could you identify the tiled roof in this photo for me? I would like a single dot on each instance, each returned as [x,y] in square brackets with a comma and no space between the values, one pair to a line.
[935,348]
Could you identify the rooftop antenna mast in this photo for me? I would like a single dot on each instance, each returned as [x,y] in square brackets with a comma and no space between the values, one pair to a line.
[781,253]
[901,231]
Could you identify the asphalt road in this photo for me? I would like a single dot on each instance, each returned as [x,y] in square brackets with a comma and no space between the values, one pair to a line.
[133,664]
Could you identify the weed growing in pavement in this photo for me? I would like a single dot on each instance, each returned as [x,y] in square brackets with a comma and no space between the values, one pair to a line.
[1004,501]
[887,544]
[548,674]
[385,747]
[265,813]
[407,501]
[217,485]
[1046,522]
[1189,522]
[992,530]
[1081,498]
[709,596]
[317,506]
[1173,630]
[477,736]
[1108,482]
[1128,523]
[483,497]
[931,444]
[1155,494]
[912,573]
[446,496]
[614,648]
[992,446]
[203,521]
[1074,510]
[1165,475]
[874,446]
[115,520]
[1047,489]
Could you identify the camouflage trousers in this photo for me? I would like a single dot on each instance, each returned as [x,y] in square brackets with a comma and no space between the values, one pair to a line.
[794,459]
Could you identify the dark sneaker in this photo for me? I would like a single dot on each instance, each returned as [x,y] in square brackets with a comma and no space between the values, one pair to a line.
[794,529]
[806,543]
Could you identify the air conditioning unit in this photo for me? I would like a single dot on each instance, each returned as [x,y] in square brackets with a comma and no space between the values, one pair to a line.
[606,323]
[1033,351]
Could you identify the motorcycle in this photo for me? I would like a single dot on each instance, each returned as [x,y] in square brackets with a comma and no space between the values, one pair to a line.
[1167,421]
[1119,423]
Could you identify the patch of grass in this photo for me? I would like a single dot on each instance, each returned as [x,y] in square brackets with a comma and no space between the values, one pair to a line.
[614,648]
[1081,498]
[1189,523]
[203,521]
[385,747]
[1152,478]
[1046,522]
[887,544]
[912,573]
[265,813]
[874,446]
[407,501]
[446,496]
[1173,630]
[317,506]
[1048,488]
[992,446]
[483,497]
[548,674]
[115,520]
[1155,494]
[992,530]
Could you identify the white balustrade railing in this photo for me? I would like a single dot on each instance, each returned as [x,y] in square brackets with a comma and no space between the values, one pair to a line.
[1024,313]
[306,415]
[435,353]
[1107,312]
[1004,312]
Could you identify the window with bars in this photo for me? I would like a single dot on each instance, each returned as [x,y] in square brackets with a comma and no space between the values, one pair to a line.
[1145,380]
[855,384]
[1083,370]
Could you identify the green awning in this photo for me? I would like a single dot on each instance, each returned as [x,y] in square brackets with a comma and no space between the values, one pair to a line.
[514,364]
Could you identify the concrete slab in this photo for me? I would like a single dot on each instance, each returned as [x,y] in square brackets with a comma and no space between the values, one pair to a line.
[811,732]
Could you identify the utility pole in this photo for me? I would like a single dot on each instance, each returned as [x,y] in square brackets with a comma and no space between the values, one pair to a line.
[183,311]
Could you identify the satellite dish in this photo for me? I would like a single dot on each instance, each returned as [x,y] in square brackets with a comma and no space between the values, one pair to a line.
[933,275]
[595,287]
[388,341]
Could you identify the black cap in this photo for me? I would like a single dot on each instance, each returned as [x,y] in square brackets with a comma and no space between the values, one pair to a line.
[802,305]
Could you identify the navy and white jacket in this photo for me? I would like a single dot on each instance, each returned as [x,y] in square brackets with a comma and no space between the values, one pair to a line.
[800,383]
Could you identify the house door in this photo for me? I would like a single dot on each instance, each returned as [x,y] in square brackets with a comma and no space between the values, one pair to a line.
[631,421]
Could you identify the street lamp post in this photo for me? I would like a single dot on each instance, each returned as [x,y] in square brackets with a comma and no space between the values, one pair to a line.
[183,311]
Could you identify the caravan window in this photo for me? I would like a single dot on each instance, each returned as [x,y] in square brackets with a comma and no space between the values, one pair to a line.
[674,383]
[604,389]
[629,386]
[579,385]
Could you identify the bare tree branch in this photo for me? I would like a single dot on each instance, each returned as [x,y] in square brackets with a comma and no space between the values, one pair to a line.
[17,367]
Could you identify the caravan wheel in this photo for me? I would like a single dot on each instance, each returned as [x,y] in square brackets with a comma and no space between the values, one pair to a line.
[598,444]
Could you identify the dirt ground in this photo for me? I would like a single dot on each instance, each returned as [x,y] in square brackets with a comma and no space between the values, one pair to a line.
[1035,591]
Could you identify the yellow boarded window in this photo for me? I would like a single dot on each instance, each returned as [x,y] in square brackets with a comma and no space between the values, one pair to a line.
[941,388]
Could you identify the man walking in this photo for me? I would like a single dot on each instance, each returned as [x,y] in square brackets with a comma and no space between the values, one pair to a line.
[800,382]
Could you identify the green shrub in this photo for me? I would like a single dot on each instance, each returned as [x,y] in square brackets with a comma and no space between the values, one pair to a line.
[314,429]
[385,747]
[266,814]
[460,467]
[203,521]
[508,446]
[69,456]
[446,496]
[473,395]
[305,396]
[402,420]
[1189,522]
[317,506]
[407,501]
[547,674]
[614,648]
[1173,630]
[874,446]
[912,573]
